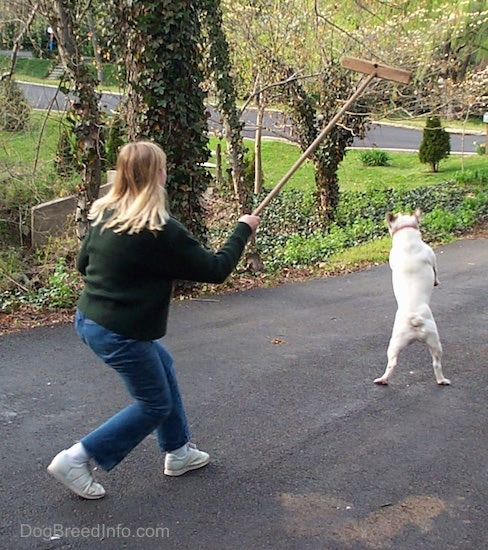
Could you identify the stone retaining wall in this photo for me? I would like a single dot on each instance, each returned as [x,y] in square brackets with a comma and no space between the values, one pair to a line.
[57,217]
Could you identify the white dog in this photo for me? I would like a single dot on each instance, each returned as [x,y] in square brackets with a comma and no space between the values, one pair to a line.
[414,274]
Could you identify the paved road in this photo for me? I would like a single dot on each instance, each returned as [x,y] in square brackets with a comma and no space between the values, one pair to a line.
[307,453]
[392,137]
[382,136]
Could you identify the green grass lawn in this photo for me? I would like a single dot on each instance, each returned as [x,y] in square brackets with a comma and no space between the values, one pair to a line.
[405,169]
[38,140]
[37,70]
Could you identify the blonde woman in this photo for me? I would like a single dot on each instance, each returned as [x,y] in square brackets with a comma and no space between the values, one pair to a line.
[129,259]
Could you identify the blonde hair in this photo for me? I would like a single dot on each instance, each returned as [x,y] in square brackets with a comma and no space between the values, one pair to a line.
[137,199]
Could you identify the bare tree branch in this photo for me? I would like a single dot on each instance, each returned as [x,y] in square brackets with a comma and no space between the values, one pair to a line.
[43,126]
[17,43]
[293,78]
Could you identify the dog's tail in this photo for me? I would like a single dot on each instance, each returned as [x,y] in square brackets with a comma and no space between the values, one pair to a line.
[416,321]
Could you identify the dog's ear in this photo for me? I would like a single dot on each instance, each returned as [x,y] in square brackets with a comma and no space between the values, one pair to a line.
[418,213]
[390,218]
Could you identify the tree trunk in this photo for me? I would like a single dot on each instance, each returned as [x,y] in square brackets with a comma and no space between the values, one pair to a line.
[307,113]
[219,71]
[96,48]
[258,161]
[235,151]
[328,188]
[85,110]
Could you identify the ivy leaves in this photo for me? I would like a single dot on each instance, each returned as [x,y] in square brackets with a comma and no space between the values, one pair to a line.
[167,103]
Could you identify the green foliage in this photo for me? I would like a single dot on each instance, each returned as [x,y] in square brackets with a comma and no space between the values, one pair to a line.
[114,136]
[14,109]
[475,175]
[219,71]
[27,176]
[111,76]
[85,110]
[10,263]
[444,222]
[293,212]
[309,112]
[166,99]
[435,145]
[302,250]
[294,232]
[13,26]
[375,157]
[69,156]
[374,202]
[38,140]
[60,290]
[34,68]
[481,148]
[16,200]
[68,159]
[439,223]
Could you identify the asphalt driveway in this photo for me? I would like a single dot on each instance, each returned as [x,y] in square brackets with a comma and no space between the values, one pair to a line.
[278,383]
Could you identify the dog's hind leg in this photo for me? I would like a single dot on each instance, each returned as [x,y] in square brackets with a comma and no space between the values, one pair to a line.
[435,349]
[397,343]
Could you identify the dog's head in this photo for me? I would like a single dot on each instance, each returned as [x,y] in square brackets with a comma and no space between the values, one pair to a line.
[399,221]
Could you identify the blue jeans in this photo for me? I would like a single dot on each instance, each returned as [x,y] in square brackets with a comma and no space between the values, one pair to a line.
[147,371]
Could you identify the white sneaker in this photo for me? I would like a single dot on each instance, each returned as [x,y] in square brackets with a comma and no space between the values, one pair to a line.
[77,478]
[194,459]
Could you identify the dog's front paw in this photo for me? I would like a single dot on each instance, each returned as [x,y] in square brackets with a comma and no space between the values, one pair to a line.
[381,381]
[444,382]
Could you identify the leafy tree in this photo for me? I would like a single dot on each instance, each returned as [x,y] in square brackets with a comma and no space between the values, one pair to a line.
[311,112]
[159,47]
[14,109]
[441,42]
[286,59]
[435,145]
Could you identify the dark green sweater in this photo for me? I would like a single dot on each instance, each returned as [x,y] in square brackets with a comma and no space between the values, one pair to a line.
[129,278]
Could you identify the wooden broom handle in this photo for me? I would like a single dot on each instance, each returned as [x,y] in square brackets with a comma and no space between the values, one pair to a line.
[311,148]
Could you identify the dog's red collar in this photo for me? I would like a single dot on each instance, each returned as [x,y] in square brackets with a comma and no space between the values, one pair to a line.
[407,226]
